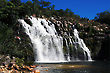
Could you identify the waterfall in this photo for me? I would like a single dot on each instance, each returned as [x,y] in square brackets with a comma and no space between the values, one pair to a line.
[82,45]
[47,45]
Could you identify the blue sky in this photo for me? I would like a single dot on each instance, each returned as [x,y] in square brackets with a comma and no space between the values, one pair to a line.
[83,8]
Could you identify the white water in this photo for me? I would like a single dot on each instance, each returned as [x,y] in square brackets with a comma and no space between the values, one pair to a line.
[82,45]
[47,45]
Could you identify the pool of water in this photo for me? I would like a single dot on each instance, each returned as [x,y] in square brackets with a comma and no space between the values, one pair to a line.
[75,67]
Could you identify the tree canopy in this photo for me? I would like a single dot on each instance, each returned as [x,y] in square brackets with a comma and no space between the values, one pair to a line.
[103,17]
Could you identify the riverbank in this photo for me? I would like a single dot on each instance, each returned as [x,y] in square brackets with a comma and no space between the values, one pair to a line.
[15,65]
[14,68]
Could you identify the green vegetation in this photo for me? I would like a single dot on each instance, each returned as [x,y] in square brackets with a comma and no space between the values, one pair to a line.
[103,17]
[11,30]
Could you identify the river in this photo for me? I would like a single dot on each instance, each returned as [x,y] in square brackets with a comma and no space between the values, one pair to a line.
[75,67]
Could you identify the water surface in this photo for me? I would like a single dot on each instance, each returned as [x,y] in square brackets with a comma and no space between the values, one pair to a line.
[75,67]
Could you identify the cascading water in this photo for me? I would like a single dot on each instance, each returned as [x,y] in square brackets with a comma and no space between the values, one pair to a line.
[47,45]
[82,45]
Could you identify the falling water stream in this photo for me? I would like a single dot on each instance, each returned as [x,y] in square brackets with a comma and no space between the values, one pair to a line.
[48,46]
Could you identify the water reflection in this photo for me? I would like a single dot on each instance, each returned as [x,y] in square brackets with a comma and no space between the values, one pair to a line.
[75,67]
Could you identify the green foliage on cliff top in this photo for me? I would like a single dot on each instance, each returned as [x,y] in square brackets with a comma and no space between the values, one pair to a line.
[103,17]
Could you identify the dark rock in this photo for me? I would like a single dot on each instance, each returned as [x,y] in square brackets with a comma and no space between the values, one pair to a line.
[28,21]
[104,53]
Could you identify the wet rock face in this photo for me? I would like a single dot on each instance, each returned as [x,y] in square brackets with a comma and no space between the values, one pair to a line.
[93,33]
[28,21]
[63,26]
[104,53]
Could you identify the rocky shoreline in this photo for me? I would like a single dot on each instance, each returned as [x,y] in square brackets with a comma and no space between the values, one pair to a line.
[11,65]
[14,68]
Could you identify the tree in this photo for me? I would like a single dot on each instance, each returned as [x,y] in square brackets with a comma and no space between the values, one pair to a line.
[11,13]
[3,3]
[25,9]
[36,6]
[36,2]
[53,7]
[44,3]
[16,2]
[68,12]
[103,17]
